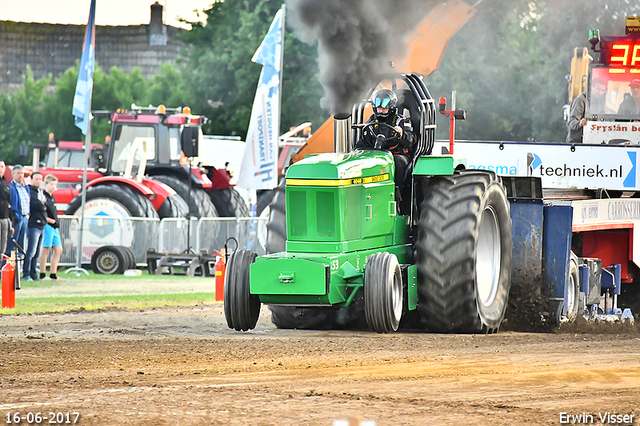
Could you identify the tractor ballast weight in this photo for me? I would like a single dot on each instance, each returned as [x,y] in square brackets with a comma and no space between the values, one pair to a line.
[446,261]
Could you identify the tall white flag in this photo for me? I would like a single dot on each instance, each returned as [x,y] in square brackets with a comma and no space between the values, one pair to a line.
[259,168]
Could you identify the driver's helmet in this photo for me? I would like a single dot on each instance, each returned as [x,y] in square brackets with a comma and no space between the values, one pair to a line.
[384,98]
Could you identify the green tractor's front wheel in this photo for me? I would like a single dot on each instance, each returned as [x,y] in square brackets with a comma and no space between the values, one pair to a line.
[463,250]
[241,308]
[383,294]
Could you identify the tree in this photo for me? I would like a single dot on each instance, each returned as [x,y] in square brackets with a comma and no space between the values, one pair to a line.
[221,79]
[508,65]
[22,120]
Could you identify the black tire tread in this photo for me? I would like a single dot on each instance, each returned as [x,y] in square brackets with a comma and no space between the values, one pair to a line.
[173,206]
[446,251]
[119,254]
[241,308]
[131,260]
[229,203]
[135,203]
[378,297]
[264,199]
[277,224]
[196,198]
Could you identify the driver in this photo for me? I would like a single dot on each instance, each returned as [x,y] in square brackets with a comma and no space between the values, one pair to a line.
[388,130]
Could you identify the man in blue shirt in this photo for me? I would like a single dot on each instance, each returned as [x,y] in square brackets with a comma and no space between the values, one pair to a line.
[20,204]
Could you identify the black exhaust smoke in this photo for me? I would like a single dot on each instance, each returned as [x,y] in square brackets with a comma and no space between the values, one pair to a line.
[355,41]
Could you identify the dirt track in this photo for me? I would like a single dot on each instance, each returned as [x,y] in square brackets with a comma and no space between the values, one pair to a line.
[183,366]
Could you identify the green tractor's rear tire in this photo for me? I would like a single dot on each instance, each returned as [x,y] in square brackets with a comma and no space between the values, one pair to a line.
[241,308]
[463,250]
[383,294]
[277,223]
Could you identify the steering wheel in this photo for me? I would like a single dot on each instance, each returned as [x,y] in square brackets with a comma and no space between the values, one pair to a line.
[382,139]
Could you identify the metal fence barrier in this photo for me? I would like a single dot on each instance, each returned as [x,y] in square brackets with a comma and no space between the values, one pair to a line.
[170,235]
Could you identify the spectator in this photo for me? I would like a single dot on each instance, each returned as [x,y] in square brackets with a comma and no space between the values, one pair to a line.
[631,103]
[577,119]
[20,206]
[6,214]
[51,235]
[37,221]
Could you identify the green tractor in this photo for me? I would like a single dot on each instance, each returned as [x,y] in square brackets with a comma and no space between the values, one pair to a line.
[352,254]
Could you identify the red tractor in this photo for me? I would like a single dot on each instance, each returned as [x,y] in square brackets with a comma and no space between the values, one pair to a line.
[123,195]
[150,143]
[172,135]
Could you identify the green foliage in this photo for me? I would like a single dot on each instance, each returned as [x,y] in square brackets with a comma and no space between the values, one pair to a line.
[508,65]
[22,119]
[12,129]
[215,77]
[222,80]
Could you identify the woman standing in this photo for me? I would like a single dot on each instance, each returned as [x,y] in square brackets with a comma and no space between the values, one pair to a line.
[51,236]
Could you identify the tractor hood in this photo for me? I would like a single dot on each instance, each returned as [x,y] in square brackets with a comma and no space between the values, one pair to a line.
[357,167]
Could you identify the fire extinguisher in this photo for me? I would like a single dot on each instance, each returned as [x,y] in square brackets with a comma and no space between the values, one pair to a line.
[220,269]
[8,285]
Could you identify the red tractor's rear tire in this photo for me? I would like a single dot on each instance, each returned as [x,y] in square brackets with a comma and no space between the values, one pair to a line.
[197,200]
[136,204]
[229,203]
[173,206]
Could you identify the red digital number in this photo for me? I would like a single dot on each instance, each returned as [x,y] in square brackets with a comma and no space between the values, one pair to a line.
[620,54]
[623,54]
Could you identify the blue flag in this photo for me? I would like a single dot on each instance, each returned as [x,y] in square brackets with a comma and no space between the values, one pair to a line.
[259,169]
[84,87]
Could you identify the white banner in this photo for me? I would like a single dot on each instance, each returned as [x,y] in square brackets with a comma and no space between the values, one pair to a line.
[560,165]
[604,131]
[259,168]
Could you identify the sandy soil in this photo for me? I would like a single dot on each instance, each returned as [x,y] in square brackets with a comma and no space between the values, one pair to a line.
[183,366]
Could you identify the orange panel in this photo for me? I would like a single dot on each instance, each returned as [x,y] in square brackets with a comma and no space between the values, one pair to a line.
[610,246]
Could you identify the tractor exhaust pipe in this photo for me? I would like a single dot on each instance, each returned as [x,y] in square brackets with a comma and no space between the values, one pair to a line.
[341,133]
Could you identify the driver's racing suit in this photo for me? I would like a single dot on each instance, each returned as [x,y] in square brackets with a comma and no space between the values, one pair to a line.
[400,148]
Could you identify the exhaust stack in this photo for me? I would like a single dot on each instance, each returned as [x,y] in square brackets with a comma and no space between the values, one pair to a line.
[341,133]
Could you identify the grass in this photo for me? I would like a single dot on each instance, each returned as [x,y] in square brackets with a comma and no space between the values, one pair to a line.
[100,292]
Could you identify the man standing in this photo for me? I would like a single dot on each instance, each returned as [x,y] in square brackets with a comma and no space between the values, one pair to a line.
[6,214]
[577,119]
[20,206]
[37,221]
[631,104]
